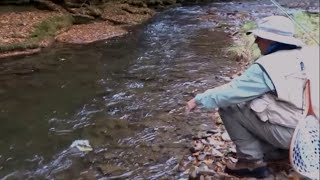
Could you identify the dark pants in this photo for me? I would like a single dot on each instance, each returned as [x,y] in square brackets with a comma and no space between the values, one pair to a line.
[253,137]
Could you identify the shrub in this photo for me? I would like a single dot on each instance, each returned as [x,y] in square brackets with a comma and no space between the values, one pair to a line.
[50,26]
[245,49]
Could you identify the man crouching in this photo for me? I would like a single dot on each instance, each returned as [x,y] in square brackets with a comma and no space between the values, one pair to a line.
[261,108]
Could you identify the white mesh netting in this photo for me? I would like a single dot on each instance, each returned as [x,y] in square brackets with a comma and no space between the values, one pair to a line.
[306,148]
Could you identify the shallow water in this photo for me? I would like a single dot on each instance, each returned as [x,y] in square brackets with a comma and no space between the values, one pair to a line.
[125,95]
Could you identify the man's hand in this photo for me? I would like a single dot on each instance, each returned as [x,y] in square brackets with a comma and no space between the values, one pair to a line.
[190,105]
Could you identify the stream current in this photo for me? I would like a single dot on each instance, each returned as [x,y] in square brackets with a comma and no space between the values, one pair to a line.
[125,95]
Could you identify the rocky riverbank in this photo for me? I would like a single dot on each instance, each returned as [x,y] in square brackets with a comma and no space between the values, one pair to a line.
[27,32]
[133,116]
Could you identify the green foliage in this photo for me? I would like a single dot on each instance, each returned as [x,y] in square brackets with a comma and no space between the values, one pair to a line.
[50,26]
[18,46]
[311,23]
[248,26]
[244,48]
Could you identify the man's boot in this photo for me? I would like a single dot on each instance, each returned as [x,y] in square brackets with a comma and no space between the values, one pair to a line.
[248,168]
[277,155]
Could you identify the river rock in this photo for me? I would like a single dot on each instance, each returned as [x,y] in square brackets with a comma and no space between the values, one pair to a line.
[155,148]
[216,153]
[232,149]
[217,119]
[202,134]
[201,156]
[193,172]
[108,156]
[225,136]
[197,145]
[108,169]
[82,19]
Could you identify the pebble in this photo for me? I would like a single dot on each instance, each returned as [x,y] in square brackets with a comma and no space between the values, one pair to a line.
[225,136]
[155,148]
[108,168]
[108,156]
[216,153]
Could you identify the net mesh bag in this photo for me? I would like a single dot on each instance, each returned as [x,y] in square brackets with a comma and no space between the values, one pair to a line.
[305,143]
[305,154]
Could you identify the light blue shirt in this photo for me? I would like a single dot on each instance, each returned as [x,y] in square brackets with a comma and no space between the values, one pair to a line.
[253,83]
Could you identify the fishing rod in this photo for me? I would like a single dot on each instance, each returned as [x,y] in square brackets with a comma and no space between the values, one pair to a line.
[292,19]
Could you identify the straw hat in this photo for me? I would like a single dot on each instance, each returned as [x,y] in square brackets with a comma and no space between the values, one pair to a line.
[276,28]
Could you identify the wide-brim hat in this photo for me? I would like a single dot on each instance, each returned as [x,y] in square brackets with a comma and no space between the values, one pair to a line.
[276,28]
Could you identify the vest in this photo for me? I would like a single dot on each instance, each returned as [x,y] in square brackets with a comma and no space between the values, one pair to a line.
[288,70]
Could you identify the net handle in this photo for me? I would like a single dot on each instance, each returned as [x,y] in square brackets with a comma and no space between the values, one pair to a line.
[309,108]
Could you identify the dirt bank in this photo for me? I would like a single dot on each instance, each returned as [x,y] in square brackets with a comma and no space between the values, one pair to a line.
[27,32]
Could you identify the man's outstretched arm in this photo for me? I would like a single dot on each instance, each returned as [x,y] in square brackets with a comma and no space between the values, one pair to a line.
[253,83]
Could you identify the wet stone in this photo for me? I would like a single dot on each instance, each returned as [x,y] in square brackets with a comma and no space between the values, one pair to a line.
[202,134]
[197,146]
[232,149]
[225,136]
[218,119]
[108,169]
[193,172]
[201,156]
[204,127]
[216,153]
[155,148]
[108,156]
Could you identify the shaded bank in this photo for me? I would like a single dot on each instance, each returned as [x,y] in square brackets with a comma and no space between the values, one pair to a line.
[26,32]
[29,26]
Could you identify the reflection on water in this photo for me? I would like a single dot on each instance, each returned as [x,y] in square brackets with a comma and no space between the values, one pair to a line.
[125,95]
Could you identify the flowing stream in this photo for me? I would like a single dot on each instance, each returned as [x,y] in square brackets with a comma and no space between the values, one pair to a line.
[125,95]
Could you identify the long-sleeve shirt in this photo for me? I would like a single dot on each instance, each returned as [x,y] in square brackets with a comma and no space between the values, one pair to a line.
[253,83]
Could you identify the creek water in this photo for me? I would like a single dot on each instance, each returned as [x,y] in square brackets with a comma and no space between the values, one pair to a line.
[125,95]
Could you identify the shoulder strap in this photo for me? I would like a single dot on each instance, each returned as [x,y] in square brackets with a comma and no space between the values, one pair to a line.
[308,99]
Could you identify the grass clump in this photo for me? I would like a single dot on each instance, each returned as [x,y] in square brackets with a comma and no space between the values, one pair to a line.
[50,26]
[43,30]
[244,48]
[311,23]
[18,46]
[247,27]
